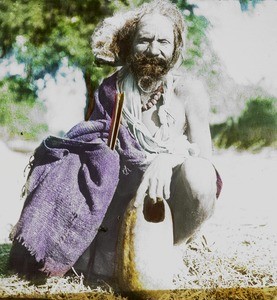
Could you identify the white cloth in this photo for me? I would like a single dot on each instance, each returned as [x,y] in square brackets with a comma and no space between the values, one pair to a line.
[162,141]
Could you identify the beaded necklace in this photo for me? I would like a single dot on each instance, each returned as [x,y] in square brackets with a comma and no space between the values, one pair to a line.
[154,98]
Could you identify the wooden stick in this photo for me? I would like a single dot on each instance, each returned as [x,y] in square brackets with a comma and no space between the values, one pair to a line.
[116,118]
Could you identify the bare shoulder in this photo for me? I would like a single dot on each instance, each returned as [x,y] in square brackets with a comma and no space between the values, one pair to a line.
[193,92]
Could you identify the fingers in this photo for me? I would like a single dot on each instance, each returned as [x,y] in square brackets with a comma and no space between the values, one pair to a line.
[141,192]
[153,188]
[150,185]
[156,189]
[162,189]
[156,181]
[159,190]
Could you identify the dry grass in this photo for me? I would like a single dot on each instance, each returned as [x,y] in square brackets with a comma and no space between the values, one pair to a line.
[53,288]
[245,261]
[244,269]
[73,288]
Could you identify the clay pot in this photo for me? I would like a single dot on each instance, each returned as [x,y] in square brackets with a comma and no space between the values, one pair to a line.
[145,254]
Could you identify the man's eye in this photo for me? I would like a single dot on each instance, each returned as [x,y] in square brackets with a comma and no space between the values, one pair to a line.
[164,42]
[143,41]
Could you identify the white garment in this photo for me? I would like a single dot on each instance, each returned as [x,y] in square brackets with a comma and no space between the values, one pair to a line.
[162,141]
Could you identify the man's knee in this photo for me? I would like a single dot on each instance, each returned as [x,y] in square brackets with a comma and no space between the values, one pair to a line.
[199,177]
[193,197]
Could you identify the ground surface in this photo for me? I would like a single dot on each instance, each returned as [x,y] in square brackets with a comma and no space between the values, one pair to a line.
[236,247]
[239,247]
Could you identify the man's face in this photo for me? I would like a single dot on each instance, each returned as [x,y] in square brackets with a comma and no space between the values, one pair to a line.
[154,37]
[153,46]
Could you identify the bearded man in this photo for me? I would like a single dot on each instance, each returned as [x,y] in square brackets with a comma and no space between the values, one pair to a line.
[77,191]
[166,112]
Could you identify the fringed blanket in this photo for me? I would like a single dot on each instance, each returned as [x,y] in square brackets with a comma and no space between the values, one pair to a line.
[69,188]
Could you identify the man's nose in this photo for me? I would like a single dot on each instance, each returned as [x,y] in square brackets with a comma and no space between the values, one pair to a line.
[153,49]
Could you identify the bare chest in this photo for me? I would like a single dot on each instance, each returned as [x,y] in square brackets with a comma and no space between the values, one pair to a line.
[175,116]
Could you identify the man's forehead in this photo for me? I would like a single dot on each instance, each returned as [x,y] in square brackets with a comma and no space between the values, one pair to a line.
[155,22]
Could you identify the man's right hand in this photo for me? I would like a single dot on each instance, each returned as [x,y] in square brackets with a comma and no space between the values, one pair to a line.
[157,178]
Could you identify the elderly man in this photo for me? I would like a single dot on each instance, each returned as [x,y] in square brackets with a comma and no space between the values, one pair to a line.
[166,112]
[78,188]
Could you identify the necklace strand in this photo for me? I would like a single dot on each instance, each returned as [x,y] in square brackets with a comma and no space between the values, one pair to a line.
[154,98]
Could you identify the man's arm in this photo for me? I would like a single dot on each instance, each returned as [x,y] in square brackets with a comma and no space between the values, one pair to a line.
[158,175]
[197,114]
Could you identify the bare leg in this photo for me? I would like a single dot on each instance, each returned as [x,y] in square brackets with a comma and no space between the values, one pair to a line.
[193,194]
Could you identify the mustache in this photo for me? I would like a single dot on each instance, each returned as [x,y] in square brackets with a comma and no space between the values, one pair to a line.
[144,65]
[144,59]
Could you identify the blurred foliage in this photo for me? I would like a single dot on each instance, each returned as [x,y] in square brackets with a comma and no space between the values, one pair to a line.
[20,89]
[4,257]
[20,112]
[244,4]
[255,128]
[41,33]
[197,26]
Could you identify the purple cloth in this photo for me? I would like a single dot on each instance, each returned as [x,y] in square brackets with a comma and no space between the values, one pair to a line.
[70,186]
